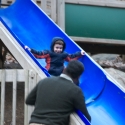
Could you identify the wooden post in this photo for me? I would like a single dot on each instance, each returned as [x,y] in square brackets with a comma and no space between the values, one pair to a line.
[31,84]
[61,14]
[53,10]
[43,5]
[26,93]
[14,97]
[3,77]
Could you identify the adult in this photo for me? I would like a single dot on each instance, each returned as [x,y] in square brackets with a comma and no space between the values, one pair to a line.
[55,98]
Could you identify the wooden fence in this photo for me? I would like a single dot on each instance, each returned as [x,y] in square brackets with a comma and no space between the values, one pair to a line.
[29,77]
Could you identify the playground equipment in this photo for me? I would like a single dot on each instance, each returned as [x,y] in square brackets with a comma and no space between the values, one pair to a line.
[24,23]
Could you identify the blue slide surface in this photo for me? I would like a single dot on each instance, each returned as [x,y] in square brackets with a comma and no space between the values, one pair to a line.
[31,26]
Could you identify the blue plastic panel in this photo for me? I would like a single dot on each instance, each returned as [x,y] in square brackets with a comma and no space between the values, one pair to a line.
[109,107]
[32,27]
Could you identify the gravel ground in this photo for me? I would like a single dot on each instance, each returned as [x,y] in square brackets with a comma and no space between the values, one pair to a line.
[20,104]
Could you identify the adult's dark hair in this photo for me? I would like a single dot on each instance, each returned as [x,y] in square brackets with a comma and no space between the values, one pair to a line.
[74,68]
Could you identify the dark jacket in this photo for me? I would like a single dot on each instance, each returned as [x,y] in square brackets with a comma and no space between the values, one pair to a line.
[55,98]
[55,61]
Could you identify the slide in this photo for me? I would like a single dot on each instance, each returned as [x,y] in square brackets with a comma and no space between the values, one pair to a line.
[30,26]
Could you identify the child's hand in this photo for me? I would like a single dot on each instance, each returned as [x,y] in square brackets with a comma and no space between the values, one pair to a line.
[82,52]
[26,47]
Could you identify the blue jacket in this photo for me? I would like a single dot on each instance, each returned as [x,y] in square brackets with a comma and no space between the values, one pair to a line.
[55,61]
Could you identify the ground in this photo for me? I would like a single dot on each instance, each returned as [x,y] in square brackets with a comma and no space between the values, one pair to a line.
[20,104]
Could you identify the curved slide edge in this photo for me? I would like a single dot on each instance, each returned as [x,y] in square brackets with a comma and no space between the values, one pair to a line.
[109,106]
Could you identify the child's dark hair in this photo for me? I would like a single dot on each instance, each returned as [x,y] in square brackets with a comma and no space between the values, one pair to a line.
[60,42]
[74,68]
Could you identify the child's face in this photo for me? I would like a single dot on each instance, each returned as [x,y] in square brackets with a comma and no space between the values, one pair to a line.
[58,48]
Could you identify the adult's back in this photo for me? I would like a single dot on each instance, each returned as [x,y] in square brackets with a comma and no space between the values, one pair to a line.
[55,98]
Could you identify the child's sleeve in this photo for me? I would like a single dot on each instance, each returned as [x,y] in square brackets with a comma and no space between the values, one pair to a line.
[74,56]
[40,54]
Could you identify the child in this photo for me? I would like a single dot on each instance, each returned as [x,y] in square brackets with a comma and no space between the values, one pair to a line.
[56,56]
